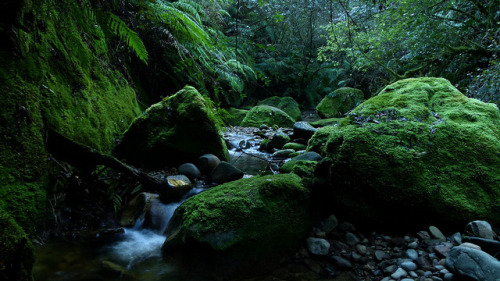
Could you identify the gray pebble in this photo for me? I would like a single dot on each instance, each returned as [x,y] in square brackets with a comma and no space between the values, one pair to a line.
[400,273]
[390,269]
[409,266]
[411,254]
[413,245]
[448,277]
[318,246]
[351,239]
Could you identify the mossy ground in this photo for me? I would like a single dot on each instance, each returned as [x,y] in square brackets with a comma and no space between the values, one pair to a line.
[268,115]
[422,145]
[287,104]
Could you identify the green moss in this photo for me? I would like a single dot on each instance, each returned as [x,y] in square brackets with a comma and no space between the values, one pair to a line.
[16,255]
[339,102]
[287,104]
[177,130]
[294,146]
[248,222]
[419,144]
[326,122]
[318,141]
[235,116]
[267,115]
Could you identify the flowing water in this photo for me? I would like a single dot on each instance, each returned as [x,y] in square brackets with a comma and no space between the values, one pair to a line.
[134,253]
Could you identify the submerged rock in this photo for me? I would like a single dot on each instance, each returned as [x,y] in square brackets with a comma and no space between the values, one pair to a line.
[178,129]
[419,147]
[268,115]
[239,228]
[287,104]
[339,102]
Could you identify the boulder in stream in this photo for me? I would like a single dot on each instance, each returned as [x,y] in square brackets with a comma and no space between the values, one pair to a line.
[176,130]
[418,152]
[241,228]
[263,114]
[174,188]
[287,104]
[339,102]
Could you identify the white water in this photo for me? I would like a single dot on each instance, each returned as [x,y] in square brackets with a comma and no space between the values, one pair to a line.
[139,243]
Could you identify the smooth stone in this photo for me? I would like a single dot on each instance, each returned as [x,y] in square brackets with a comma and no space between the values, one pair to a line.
[457,238]
[411,254]
[351,239]
[470,263]
[341,262]
[448,277]
[225,172]
[427,274]
[330,224]
[278,141]
[346,226]
[489,246]
[400,273]
[361,249]
[390,269]
[386,279]
[436,233]
[283,153]
[470,245]
[413,274]
[174,188]
[318,246]
[380,255]
[189,170]
[424,263]
[355,257]
[413,245]
[407,279]
[408,266]
[435,278]
[424,235]
[303,130]
[207,163]
[443,249]
[480,229]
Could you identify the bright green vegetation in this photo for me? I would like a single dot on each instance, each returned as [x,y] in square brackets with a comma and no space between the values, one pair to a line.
[294,146]
[339,102]
[287,104]
[418,145]
[325,122]
[242,226]
[177,130]
[268,115]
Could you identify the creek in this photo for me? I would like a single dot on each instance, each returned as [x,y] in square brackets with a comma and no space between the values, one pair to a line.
[134,253]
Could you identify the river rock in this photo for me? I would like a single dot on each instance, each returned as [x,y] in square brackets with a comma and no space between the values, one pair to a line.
[436,233]
[263,114]
[207,163]
[278,141]
[240,228]
[317,246]
[411,147]
[473,264]
[340,262]
[351,239]
[287,104]
[308,156]
[400,273]
[470,245]
[176,130]
[174,188]
[295,146]
[282,154]
[303,130]
[480,229]
[408,266]
[136,208]
[339,102]
[189,170]
[411,254]
[225,172]
[329,224]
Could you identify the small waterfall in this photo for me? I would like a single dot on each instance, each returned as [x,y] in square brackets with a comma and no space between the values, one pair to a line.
[244,152]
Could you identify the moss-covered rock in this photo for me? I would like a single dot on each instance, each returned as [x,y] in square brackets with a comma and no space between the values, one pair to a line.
[325,122]
[295,146]
[235,116]
[310,156]
[339,102]
[16,251]
[176,130]
[419,150]
[287,104]
[240,228]
[268,115]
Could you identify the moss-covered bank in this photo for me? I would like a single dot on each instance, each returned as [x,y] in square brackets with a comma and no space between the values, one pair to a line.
[56,71]
[419,151]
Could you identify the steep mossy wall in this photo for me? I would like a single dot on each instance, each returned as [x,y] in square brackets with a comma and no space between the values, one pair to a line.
[57,71]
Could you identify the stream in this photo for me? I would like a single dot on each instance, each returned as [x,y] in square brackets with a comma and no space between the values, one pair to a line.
[135,253]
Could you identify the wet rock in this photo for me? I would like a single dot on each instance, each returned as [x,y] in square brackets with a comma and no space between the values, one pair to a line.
[225,172]
[282,154]
[400,273]
[207,163]
[303,130]
[136,208]
[436,233]
[330,224]
[480,229]
[408,266]
[277,142]
[174,188]
[189,170]
[466,262]
[317,246]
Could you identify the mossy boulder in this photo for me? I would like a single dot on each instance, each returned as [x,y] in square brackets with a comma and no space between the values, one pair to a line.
[176,130]
[268,115]
[339,102]
[235,116]
[420,151]
[287,104]
[325,122]
[240,228]
[310,156]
